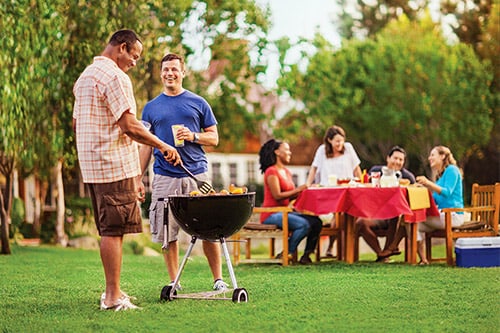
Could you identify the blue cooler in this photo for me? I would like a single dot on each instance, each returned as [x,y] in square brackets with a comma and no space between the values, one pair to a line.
[478,252]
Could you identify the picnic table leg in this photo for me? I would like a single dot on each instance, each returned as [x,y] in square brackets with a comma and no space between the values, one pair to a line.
[411,229]
[349,239]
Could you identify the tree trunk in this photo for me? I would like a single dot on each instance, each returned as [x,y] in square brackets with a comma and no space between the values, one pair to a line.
[5,203]
[61,237]
[39,199]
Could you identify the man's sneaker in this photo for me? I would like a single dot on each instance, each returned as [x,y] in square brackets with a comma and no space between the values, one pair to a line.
[103,296]
[178,287]
[122,304]
[220,285]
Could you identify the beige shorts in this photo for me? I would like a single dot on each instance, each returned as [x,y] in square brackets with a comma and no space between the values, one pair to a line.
[438,222]
[116,210]
[164,186]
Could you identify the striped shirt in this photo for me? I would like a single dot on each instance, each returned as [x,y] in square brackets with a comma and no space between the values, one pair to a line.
[103,92]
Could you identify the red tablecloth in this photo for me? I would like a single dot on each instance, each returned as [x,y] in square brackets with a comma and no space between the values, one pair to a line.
[369,202]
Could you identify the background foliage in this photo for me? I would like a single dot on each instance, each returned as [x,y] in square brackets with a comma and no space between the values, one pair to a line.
[46,45]
[406,87]
[396,79]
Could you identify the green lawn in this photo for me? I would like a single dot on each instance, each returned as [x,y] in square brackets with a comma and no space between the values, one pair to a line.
[48,289]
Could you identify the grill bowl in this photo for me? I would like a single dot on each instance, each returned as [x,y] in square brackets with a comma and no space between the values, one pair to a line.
[214,216]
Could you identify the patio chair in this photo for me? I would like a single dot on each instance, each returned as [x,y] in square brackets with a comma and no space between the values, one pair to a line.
[255,230]
[335,231]
[484,210]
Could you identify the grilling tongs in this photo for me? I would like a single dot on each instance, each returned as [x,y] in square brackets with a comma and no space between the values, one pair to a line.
[203,186]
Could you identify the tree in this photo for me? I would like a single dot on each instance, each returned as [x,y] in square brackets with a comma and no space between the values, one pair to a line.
[407,86]
[222,34]
[473,23]
[361,18]
[466,19]
[59,40]
[488,48]
[470,19]
[16,121]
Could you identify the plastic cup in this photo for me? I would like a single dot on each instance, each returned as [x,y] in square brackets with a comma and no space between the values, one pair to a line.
[177,142]
[375,178]
[332,180]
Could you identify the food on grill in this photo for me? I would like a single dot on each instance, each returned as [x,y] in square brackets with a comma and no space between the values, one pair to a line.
[195,193]
[237,190]
[232,190]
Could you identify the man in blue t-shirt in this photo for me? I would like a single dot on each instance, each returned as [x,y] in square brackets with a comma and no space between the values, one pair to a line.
[395,160]
[196,127]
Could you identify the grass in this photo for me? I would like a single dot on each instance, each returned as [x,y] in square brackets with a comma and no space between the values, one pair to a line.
[50,289]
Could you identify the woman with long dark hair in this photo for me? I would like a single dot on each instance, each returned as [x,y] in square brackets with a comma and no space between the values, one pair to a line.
[279,189]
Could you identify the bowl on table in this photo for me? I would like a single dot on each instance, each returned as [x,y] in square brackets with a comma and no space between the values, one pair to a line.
[343,181]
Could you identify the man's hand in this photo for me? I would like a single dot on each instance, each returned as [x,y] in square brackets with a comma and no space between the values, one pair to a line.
[141,191]
[172,155]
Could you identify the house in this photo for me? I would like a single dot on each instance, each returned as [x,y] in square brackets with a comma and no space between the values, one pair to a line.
[243,169]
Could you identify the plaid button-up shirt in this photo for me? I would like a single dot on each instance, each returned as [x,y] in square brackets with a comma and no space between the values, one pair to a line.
[103,92]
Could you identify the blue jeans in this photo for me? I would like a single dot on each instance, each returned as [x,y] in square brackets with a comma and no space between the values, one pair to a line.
[300,226]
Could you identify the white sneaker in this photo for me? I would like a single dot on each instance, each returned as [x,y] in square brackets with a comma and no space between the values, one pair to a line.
[220,285]
[103,296]
[122,304]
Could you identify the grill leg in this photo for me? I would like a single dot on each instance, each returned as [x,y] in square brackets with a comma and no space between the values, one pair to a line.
[228,262]
[183,264]
[165,225]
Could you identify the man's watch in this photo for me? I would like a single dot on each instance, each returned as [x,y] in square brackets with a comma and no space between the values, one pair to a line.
[196,137]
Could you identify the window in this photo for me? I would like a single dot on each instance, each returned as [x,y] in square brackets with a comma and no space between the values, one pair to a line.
[216,175]
[233,173]
[251,171]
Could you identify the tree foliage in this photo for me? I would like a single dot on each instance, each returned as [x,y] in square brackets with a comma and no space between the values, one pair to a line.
[232,73]
[407,87]
[359,18]
[30,64]
[47,44]
[471,17]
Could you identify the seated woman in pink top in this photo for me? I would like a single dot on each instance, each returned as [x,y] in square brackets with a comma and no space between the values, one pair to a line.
[279,189]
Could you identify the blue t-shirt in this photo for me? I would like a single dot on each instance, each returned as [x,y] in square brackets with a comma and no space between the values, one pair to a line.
[451,189]
[188,109]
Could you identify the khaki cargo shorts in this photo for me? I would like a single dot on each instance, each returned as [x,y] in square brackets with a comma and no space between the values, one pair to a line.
[116,209]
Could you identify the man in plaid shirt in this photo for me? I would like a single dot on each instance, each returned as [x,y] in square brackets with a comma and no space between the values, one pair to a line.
[104,119]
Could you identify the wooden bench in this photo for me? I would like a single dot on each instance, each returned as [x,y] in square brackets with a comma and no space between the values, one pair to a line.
[255,230]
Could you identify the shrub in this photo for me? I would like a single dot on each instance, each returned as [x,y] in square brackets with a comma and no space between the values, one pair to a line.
[17,216]
[79,218]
